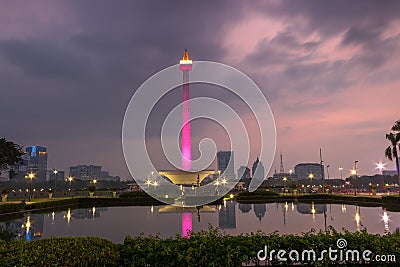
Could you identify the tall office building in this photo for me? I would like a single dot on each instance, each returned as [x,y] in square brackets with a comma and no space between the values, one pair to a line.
[37,161]
[244,172]
[58,176]
[225,162]
[85,172]
[258,170]
[303,170]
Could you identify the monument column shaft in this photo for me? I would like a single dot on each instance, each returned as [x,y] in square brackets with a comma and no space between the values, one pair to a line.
[186,142]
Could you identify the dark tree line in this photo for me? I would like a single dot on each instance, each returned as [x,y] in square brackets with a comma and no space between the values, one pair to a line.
[10,154]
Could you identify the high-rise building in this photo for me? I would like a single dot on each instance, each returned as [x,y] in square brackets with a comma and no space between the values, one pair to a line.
[37,162]
[58,175]
[225,162]
[244,172]
[105,176]
[258,170]
[85,172]
[303,170]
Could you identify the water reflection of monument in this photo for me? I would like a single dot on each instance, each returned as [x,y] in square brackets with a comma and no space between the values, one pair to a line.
[307,208]
[30,227]
[227,216]
[187,215]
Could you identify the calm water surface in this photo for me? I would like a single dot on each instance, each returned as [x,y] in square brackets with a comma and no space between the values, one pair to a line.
[115,223]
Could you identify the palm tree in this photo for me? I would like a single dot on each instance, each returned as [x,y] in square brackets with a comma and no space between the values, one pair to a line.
[396,126]
[391,151]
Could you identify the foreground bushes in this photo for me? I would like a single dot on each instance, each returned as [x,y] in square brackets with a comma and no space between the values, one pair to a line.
[206,248]
[70,251]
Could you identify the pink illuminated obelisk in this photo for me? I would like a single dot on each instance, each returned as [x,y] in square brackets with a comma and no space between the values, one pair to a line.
[186,66]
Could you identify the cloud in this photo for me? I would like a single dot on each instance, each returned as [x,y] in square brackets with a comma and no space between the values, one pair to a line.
[68,69]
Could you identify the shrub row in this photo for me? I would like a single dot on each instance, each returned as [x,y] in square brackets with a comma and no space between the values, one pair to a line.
[69,251]
[205,248]
[82,202]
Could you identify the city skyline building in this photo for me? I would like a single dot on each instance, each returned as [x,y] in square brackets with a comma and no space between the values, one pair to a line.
[244,172]
[225,163]
[85,172]
[303,170]
[37,161]
[59,175]
[257,170]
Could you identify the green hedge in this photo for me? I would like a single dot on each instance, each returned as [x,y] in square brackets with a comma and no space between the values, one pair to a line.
[205,248]
[10,208]
[134,194]
[69,251]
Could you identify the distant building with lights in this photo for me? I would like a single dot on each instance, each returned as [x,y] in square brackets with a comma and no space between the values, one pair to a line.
[85,172]
[225,162]
[258,170]
[58,176]
[303,170]
[105,176]
[36,161]
[244,172]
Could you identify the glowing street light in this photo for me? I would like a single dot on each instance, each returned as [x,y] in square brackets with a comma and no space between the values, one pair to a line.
[311,176]
[284,180]
[354,172]
[30,177]
[148,182]
[224,181]
[380,166]
[70,179]
[55,172]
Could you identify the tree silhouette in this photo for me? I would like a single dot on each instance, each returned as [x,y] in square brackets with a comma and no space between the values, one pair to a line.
[10,154]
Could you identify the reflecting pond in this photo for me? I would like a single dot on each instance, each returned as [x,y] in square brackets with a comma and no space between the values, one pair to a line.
[115,223]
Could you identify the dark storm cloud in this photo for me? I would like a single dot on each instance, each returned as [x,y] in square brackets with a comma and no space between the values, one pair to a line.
[332,17]
[74,82]
[67,84]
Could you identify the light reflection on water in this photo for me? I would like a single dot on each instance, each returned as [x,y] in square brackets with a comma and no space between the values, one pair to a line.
[115,223]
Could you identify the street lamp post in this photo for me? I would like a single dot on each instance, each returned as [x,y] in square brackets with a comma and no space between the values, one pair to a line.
[70,179]
[284,179]
[354,172]
[381,166]
[311,176]
[55,171]
[327,172]
[30,176]
[341,172]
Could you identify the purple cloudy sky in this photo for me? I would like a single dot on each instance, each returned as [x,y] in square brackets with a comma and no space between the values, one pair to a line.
[329,69]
